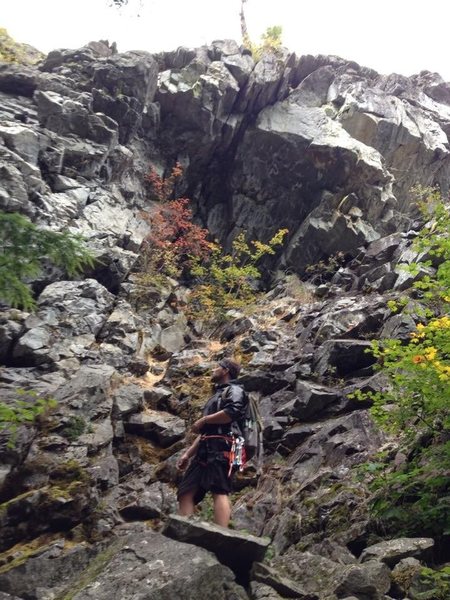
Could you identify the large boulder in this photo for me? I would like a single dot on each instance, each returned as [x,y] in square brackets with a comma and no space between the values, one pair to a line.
[137,564]
[50,508]
[337,442]
[70,314]
[66,116]
[309,401]
[404,119]
[348,316]
[267,82]
[233,548]
[342,357]
[392,551]
[324,578]
[271,579]
[132,74]
[88,391]
[370,581]
[17,79]
[142,501]
[312,573]
[164,428]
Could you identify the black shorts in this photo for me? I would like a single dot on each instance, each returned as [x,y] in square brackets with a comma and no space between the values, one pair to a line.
[208,471]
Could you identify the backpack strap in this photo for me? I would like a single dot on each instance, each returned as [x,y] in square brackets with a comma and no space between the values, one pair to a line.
[219,401]
[220,428]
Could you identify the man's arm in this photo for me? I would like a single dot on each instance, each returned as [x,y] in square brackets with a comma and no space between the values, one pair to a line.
[218,418]
[189,453]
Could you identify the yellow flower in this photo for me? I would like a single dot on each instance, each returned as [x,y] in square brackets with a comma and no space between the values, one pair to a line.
[430,353]
[418,358]
[442,323]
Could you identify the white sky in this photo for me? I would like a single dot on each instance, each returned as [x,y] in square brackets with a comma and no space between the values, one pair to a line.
[402,36]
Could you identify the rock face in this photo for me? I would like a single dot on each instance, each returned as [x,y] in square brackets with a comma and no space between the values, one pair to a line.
[314,144]
[318,153]
[311,143]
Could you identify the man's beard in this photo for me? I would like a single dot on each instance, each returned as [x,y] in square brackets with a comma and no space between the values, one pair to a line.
[216,378]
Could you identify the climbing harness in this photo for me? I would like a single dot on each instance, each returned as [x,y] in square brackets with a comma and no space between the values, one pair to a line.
[236,454]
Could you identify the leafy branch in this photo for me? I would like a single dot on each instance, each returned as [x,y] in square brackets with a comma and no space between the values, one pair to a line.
[24,247]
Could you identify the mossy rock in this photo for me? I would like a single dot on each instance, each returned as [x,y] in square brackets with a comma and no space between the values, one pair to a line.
[15,52]
[20,553]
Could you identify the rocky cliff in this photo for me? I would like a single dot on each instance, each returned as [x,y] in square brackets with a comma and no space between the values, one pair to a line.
[319,145]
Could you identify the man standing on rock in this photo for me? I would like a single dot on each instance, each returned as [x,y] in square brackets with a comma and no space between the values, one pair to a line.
[210,469]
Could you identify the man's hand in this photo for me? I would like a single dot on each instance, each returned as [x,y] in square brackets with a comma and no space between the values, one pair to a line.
[183,462]
[196,427]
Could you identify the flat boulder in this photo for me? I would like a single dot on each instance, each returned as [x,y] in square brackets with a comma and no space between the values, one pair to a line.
[235,549]
[392,551]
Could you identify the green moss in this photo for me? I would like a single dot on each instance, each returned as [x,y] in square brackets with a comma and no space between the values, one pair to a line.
[69,471]
[302,546]
[67,492]
[23,552]
[207,509]
[96,566]
[14,52]
[5,506]
[75,427]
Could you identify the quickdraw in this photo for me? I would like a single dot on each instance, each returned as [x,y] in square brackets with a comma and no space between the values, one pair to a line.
[236,455]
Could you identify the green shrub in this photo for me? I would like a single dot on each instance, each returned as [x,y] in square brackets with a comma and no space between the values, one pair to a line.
[414,497]
[227,281]
[177,247]
[75,427]
[434,584]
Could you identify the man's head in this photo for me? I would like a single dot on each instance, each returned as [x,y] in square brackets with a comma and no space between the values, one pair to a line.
[226,370]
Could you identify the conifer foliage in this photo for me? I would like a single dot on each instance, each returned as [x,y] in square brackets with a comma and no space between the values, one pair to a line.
[24,248]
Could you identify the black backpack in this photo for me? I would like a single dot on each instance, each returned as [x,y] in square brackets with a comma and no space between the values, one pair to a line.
[251,428]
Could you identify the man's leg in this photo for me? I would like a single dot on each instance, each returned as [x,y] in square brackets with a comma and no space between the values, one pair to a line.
[222,509]
[186,506]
